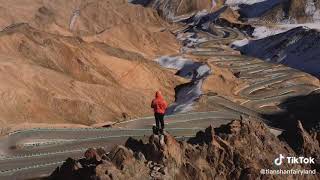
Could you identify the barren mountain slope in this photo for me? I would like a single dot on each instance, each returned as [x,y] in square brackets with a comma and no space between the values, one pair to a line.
[54,72]
[106,20]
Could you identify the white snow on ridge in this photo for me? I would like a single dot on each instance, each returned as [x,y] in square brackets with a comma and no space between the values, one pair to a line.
[240,43]
[74,17]
[310,7]
[237,2]
[259,33]
[263,31]
[309,25]
[316,16]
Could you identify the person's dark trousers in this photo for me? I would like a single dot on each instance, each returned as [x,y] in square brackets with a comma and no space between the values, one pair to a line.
[159,121]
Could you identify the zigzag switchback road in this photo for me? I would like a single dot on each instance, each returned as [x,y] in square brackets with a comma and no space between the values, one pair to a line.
[268,84]
[37,152]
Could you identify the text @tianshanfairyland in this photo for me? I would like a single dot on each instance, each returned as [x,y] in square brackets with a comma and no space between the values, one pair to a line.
[290,160]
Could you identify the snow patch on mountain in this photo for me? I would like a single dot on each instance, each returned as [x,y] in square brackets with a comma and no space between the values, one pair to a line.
[237,2]
[316,16]
[298,48]
[240,43]
[310,7]
[263,31]
[291,26]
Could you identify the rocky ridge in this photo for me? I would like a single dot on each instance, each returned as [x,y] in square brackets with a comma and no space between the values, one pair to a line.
[238,150]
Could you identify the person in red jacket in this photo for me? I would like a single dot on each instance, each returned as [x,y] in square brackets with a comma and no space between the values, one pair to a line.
[159,106]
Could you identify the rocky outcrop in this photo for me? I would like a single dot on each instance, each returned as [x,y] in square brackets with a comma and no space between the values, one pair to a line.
[79,169]
[238,150]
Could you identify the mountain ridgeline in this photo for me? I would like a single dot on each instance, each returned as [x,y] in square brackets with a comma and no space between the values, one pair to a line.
[297,48]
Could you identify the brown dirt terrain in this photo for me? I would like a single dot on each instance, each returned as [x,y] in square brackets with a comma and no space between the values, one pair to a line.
[87,62]
[95,68]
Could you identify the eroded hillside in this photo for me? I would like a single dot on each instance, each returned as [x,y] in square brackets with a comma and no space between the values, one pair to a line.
[80,62]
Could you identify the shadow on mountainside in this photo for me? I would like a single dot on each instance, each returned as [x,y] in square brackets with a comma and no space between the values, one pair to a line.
[303,108]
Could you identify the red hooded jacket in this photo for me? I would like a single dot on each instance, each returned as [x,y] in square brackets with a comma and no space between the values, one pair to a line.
[158,104]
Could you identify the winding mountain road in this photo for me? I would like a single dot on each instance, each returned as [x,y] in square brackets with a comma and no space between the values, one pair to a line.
[37,152]
[269,84]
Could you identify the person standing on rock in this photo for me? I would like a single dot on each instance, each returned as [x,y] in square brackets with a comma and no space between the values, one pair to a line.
[159,106]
